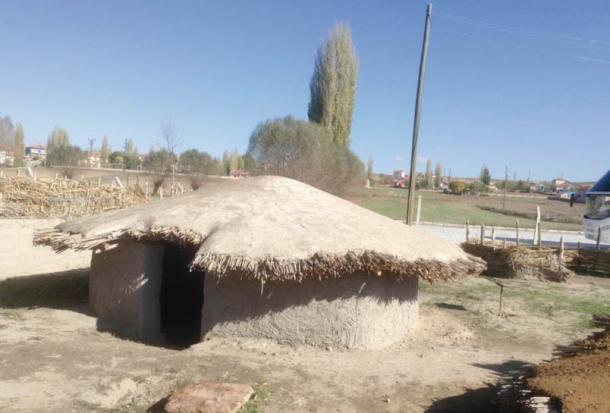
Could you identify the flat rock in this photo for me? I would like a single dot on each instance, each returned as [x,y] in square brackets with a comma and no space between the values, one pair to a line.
[209,398]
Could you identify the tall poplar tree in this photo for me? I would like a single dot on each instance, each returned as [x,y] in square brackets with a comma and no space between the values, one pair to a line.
[19,145]
[105,150]
[333,84]
[438,175]
[428,176]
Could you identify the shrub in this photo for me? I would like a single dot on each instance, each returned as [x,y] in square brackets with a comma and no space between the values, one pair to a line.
[458,187]
[304,151]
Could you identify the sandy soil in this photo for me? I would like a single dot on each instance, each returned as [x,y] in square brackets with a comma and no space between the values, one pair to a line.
[53,359]
[18,257]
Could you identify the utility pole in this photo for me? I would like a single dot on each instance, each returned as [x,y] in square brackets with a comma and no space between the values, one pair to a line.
[418,100]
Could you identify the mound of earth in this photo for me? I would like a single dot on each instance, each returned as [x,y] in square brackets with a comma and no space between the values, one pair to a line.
[580,379]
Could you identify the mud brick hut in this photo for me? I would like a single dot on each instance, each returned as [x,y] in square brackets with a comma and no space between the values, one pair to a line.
[263,257]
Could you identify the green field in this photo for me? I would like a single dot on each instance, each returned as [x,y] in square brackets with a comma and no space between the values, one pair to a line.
[455,209]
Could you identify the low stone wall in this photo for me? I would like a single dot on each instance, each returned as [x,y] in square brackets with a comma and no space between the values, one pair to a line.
[359,311]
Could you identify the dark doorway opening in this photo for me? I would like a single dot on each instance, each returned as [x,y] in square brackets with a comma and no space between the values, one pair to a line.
[181,297]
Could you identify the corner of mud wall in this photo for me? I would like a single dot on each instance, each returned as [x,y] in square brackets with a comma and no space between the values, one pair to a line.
[124,288]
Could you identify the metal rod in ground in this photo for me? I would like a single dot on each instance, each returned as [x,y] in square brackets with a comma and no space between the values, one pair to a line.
[599,237]
[493,234]
[418,101]
[482,234]
[561,248]
[501,292]
[539,235]
[467,231]
[517,231]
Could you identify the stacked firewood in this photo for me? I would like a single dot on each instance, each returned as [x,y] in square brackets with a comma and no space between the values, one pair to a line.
[46,198]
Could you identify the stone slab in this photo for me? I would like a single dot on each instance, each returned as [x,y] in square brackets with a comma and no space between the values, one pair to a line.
[209,398]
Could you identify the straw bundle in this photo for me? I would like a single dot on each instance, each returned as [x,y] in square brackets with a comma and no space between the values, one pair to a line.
[522,262]
[46,198]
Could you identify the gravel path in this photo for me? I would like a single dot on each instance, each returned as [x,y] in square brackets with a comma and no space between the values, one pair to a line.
[457,234]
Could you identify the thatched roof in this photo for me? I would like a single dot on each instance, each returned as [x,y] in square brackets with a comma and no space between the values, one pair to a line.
[273,228]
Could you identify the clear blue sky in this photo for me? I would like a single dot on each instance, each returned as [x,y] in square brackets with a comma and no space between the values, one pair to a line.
[535,99]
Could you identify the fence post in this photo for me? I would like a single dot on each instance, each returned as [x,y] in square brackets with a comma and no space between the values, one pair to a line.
[599,237]
[418,210]
[482,234]
[493,234]
[539,235]
[517,231]
[467,231]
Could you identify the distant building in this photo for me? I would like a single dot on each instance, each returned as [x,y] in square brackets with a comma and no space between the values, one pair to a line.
[399,174]
[7,158]
[560,184]
[94,160]
[35,152]
[239,174]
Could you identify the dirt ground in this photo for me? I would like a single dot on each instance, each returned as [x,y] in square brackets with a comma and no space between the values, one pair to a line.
[580,381]
[53,359]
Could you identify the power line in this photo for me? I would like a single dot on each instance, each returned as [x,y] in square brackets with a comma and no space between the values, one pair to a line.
[519,46]
[526,32]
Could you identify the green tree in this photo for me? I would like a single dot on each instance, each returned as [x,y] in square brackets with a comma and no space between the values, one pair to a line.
[59,150]
[333,85]
[193,160]
[19,145]
[159,161]
[438,175]
[428,175]
[105,151]
[485,175]
[7,133]
[116,159]
[458,187]
[131,159]
[369,171]
[304,151]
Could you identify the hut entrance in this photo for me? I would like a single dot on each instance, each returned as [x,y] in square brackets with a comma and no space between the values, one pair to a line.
[181,297]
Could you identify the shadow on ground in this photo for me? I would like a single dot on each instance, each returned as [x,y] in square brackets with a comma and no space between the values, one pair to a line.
[159,406]
[66,290]
[449,306]
[483,399]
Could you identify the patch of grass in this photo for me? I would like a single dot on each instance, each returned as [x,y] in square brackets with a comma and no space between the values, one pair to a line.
[451,209]
[545,299]
[254,405]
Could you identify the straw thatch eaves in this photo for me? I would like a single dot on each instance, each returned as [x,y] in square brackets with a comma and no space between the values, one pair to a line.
[271,228]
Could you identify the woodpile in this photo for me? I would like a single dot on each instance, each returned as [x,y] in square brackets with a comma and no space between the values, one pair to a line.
[522,262]
[591,262]
[47,198]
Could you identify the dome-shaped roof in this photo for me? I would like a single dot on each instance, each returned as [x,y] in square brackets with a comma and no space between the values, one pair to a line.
[273,228]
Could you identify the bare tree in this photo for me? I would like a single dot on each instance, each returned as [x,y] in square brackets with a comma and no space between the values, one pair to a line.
[171,135]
